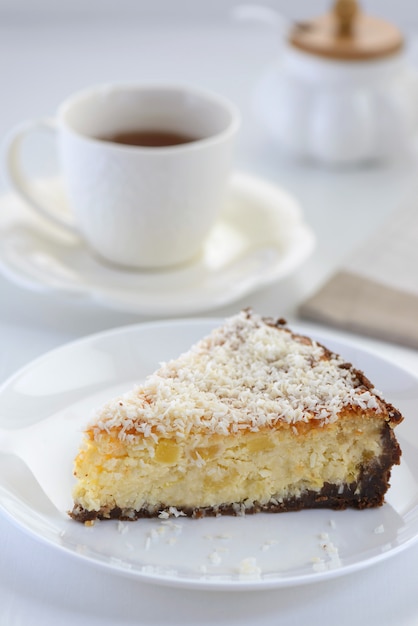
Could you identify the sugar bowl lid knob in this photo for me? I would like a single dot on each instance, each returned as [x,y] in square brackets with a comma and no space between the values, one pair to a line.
[346,12]
[347,33]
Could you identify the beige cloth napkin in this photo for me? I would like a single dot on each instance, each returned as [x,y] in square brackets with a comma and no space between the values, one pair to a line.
[376,291]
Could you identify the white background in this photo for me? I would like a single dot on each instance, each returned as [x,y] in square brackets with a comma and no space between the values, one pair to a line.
[48,49]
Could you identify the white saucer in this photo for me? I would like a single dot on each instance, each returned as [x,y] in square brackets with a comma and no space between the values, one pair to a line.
[260,238]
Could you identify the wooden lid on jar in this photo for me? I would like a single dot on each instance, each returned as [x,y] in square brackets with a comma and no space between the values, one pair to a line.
[346,33]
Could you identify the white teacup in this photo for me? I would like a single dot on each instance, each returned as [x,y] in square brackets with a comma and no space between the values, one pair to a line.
[138,205]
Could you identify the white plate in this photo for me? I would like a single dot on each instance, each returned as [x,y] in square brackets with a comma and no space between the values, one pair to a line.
[260,238]
[253,552]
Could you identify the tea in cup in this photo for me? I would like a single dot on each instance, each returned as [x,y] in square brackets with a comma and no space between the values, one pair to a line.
[145,169]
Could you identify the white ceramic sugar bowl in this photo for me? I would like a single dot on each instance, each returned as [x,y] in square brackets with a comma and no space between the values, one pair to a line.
[343,91]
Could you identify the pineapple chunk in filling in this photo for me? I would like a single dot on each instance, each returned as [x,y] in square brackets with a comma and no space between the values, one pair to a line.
[210,469]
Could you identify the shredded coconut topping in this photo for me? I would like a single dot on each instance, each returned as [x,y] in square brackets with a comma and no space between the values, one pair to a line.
[247,374]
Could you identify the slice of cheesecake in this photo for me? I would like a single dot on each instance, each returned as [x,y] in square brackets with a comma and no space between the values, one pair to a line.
[252,418]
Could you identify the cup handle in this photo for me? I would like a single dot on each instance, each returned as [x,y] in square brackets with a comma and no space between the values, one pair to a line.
[17,177]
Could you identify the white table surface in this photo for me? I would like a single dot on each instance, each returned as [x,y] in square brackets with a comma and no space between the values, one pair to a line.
[42,60]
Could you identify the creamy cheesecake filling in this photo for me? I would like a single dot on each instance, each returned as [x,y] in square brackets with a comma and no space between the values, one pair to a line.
[211,470]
